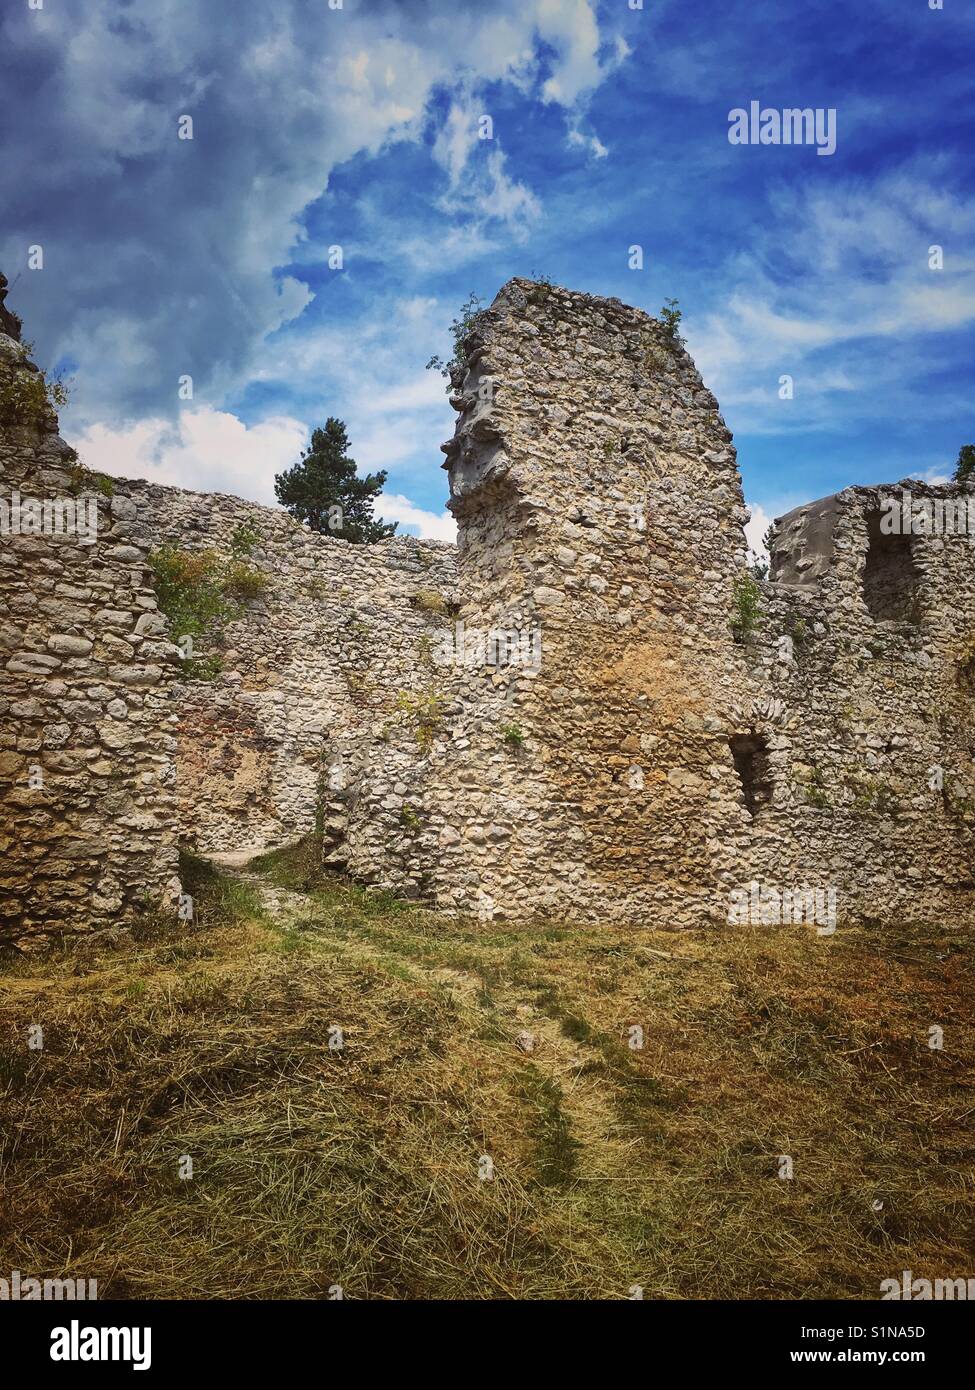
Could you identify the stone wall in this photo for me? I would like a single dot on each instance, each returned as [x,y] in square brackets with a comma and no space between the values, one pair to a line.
[668,759]
[329,650]
[867,718]
[88,830]
[567,714]
[598,505]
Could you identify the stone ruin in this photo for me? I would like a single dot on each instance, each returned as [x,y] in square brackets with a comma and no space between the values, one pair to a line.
[587,709]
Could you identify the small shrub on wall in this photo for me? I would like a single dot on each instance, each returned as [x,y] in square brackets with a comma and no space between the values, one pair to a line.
[200,593]
[189,592]
[746,600]
[242,583]
[26,395]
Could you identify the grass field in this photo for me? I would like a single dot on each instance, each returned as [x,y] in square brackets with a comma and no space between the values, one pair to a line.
[359,1166]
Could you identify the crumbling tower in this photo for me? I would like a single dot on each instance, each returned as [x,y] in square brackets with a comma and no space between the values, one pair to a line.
[598,500]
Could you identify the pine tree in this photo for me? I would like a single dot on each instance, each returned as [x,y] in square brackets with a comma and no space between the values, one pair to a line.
[323,489]
[965,467]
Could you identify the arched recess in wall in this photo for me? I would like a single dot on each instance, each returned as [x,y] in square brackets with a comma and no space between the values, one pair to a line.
[750,754]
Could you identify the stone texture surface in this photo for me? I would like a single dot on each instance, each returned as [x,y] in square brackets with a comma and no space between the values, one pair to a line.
[322,656]
[88,826]
[650,762]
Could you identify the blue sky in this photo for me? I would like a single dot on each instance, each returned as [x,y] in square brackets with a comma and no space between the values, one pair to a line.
[357,126]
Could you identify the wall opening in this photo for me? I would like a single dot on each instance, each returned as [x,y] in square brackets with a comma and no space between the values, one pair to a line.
[752,763]
[966,674]
[890,576]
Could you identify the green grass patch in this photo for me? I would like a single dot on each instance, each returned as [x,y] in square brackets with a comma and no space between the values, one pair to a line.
[363,1165]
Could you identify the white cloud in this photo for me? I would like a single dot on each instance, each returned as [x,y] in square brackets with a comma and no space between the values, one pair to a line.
[478,181]
[571,28]
[836,292]
[445,248]
[167,249]
[592,143]
[375,379]
[458,136]
[213,451]
[430,525]
[425,388]
[936,474]
[502,197]
[206,451]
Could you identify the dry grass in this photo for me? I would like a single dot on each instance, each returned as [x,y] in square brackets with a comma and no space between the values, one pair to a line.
[359,1167]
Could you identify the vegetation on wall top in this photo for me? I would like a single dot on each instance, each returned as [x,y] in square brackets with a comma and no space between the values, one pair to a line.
[28,393]
[465,323]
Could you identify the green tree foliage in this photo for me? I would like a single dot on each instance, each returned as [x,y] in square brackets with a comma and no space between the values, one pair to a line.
[965,467]
[762,568]
[323,489]
[190,594]
[27,393]
[746,599]
[200,591]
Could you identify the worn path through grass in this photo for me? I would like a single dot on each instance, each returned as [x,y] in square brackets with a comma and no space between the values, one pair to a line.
[483,1048]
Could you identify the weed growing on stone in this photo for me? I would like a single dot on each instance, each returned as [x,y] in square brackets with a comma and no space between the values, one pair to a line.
[424,712]
[27,393]
[242,582]
[461,327]
[652,356]
[245,537]
[359,684]
[190,594]
[199,592]
[746,601]
[815,789]
[869,794]
[84,479]
[799,632]
[429,601]
[540,290]
[960,806]
[670,316]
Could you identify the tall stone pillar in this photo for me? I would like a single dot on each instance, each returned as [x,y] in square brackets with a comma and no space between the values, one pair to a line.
[599,507]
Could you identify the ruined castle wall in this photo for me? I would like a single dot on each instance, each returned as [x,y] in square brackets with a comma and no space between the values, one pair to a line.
[87,811]
[868,719]
[659,759]
[132,758]
[330,648]
[599,504]
[561,716]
